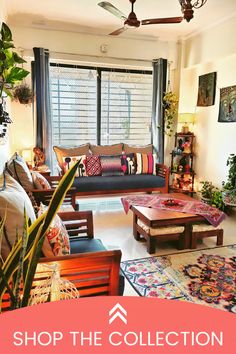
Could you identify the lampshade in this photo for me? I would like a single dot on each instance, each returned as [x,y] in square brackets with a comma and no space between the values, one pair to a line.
[27,155]
[186,118]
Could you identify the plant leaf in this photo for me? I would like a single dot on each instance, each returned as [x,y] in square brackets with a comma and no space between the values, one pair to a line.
[18,59]
[6,33]
[15,74]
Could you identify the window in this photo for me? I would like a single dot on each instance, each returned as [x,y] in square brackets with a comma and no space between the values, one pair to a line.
[126,108]
[121,112]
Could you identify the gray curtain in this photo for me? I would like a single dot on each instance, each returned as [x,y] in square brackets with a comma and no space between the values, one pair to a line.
[159,88]
[42,109]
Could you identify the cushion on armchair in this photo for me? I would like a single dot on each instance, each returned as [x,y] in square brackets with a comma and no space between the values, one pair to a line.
[146,164]
[40,181]
[20,172]
[13,200]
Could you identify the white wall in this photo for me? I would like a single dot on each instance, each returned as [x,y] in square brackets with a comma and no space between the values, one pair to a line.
[214,50]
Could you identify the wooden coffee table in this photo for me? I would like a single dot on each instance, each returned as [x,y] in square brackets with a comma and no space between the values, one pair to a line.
[155,218]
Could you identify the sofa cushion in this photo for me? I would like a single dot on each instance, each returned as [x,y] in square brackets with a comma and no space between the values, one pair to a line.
[142,149]
[69,161]
[13,200]
[114,149]
[70,151]
[86,245]
[40,181]
[128,164]
[107,183]
[111,165]
[146,164]
[93,165]
[20,172]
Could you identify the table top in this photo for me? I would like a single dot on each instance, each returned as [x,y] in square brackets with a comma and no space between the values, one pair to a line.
[151,215]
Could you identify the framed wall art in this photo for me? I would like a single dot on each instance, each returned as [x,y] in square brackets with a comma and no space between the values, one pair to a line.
[227,111]
[206,90]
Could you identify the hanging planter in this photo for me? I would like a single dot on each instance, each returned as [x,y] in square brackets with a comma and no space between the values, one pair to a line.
[170,104]
[23,94]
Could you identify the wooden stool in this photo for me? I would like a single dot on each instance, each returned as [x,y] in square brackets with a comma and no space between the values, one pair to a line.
[199,231]
[173,232]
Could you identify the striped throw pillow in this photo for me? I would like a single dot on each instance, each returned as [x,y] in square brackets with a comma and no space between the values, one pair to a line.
[146,164]
[111,165]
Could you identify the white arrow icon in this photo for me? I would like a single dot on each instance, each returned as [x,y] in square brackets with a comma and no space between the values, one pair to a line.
[118,311]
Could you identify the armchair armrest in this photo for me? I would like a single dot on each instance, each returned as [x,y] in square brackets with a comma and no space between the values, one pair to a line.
[78,223]
[95,273]
[45,195]
[163,171]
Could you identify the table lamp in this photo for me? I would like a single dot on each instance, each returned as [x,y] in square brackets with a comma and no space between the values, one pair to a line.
[27,156]
[186,118]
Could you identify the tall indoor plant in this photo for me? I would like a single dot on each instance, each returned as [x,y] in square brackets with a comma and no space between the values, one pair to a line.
[229,187]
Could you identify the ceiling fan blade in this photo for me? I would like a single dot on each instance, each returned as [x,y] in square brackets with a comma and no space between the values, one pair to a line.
[112,9]
[119,31]
[153,21]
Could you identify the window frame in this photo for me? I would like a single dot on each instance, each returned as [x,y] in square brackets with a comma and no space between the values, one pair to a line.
[99,70]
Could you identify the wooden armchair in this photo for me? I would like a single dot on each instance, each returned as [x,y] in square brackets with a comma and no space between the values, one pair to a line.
[93,273]
[45,195]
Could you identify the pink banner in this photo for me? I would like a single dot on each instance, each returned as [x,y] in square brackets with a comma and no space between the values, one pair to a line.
[117,325]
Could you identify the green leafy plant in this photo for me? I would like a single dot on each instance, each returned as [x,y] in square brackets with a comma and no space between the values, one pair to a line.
[217,199]
[10,71]
[229,187]
[170,104]
[212,195]
[23,94]
[18,270]
[207,189]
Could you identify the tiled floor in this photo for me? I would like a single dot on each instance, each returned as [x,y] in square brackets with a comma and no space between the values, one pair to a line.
[114,228]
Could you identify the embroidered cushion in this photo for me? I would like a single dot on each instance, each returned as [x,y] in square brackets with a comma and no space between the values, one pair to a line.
[111,165]
[69,161]
[20,172]
[93,165]
[70,151]
[128,164]
[13,200]
[56,241]
[114,149]
[40,181]
[146,164]
[142,149]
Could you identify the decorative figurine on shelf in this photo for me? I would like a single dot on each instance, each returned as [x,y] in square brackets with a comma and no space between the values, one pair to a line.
[180,147]
[181,168]
[39,157]
[187,168]
[183,162]
[187,147]
[175,167]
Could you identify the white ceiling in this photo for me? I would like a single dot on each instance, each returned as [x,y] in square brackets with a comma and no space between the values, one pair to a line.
[85,16]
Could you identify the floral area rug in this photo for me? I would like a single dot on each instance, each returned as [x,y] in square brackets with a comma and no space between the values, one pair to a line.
[206,277]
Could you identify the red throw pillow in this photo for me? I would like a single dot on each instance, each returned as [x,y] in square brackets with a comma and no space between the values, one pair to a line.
[93,165]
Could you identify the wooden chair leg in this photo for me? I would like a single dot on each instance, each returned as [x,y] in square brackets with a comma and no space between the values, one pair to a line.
[220,238]
[135,231]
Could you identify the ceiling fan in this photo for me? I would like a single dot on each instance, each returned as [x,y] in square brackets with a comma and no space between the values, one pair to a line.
[131,20]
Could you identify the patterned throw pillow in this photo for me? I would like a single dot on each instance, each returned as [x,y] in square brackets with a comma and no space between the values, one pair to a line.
[20,172]
[56,241]
[128,164]
[40,181]
[69,161]
[111,165]
[93,165]
[146,164]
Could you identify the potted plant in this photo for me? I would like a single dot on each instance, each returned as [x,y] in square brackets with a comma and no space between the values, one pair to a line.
[23,94]
[170,104]
[229,187]
[206,191]
[11,71]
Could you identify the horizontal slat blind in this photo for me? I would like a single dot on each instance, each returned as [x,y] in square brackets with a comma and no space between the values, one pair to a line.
[74,113]
[126,107]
